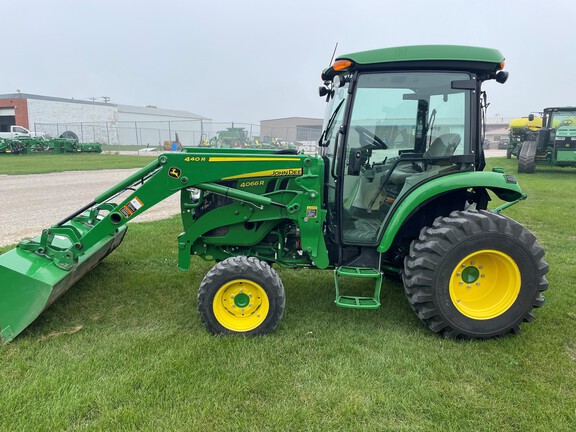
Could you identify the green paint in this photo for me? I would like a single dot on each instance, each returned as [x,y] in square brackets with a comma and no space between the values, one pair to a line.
[358,302]
[241,300]
[426,53]
[470,274]
[496,182]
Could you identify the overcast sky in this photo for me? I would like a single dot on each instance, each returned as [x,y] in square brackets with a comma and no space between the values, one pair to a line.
[250,60]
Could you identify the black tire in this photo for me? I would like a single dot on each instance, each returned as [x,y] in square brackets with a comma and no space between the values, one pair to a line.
[70,135]
[260,309]
[527,157]
[499,299]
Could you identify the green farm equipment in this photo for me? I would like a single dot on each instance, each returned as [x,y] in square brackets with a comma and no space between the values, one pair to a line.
[398,190]
[70,144]
[93,147]
[522,129]
[32,145]
[555,143]
[12,146]
[232,137]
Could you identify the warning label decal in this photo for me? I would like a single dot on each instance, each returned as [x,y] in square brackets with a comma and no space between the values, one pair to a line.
[132,207]
[311,211]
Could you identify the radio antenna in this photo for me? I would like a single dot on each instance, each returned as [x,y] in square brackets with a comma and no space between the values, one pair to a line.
[333,54]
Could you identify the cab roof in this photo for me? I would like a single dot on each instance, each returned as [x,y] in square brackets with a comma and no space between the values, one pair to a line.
[458,57]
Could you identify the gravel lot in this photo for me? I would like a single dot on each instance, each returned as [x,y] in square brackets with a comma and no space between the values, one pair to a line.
[30,203]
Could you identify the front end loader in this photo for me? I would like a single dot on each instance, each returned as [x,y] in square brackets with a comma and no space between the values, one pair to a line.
[397,189]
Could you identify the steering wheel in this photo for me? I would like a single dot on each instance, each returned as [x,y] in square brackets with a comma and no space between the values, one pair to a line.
[366,135]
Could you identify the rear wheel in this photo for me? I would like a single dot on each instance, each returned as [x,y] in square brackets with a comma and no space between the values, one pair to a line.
[527,157]
[241,295]
[475,274]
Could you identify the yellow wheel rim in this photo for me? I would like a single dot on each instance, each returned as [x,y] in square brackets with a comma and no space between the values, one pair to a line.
[241,305]
[485,284]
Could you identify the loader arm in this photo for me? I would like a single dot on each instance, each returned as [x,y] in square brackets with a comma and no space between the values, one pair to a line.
[40,270]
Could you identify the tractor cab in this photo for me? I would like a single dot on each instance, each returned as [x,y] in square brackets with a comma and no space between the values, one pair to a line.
[559,130]
[397,118]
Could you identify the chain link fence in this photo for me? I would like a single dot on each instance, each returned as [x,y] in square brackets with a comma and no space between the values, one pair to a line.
[172,135]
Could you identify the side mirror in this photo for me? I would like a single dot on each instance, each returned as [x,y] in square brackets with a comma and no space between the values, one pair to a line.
[501,77]
[530,117]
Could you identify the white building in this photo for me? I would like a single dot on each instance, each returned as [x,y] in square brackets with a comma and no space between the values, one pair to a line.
[100,121]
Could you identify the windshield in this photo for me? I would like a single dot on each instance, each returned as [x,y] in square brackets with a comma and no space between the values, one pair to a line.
[563,118]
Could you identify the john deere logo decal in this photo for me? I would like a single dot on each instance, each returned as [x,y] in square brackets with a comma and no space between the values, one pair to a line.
[174,172]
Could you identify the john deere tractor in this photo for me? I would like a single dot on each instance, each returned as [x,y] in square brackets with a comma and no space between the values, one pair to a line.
[398,190]
[555,143]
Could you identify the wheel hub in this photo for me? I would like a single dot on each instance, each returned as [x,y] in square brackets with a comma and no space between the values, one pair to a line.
[241,300]
[470,274]
[241,305]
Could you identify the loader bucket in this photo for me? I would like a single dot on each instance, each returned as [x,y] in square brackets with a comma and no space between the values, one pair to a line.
[30,282]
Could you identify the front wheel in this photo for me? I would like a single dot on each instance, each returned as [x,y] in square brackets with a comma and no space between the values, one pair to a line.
[475,274]
[241,295]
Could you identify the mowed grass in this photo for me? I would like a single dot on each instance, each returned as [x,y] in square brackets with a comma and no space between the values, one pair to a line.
[45,163]
[125,349]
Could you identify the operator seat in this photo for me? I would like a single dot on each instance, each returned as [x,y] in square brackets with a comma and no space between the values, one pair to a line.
[442,146]
[364,229]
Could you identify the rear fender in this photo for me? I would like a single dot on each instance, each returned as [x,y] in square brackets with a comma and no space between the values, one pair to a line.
[504,186]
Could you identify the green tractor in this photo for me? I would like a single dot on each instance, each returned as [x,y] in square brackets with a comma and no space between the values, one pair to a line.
[555,143]
[233,137]
[397,190]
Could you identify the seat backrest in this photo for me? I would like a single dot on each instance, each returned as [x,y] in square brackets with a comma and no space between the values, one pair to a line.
[444,145]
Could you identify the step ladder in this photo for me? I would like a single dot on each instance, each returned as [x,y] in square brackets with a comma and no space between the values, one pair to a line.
[356,302]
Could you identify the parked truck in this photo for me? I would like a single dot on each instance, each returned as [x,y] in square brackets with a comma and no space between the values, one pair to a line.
[19,131]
